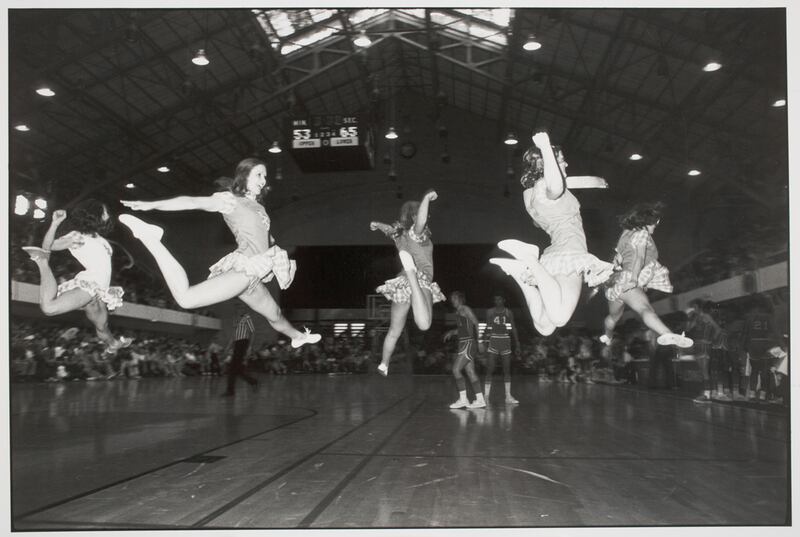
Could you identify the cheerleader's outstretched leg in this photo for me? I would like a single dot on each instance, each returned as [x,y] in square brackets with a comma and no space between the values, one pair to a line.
[262,303]
[421,299]
[397,323]
[637,300]
[49,303]
[533,298]
[211,291]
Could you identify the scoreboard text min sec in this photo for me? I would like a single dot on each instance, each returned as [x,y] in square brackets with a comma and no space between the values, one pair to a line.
[327,143]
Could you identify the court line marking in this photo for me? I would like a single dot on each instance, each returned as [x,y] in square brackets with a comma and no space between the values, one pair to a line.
[97,526]
[537,458]
[247,494]
[312,516]
[95,490]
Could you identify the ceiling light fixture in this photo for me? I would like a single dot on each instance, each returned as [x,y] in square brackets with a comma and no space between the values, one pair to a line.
[511,139]
[22,127]
[200,58]
[391,134]
[779,103]
[636,156]
[44,91]
[132,32]
[21,205]
[712,66]
[275,148]
[163,169]
[362,40]
[532,44]
[694,173]
[130,185]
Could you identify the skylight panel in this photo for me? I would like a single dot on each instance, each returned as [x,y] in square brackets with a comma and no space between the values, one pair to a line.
[361,15]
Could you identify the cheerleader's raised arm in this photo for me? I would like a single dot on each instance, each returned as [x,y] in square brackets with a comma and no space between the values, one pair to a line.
[214,204]
[421,221]
[554,175]
[386,229]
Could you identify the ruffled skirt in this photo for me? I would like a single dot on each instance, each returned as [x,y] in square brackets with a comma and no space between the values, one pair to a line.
[398,290]
[593,270]
[278,266]
[652,276]
[111,295]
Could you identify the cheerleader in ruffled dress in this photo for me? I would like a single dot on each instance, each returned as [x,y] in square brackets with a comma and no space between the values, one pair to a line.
[636,269]
[552,284]
[242,273]
[90,289]
[414,287]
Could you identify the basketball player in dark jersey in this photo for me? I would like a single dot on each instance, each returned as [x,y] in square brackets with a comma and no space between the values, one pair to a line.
[759,336]
[467,329]
[498,319]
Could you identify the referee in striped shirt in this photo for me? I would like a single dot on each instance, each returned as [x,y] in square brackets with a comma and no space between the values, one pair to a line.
[241,345]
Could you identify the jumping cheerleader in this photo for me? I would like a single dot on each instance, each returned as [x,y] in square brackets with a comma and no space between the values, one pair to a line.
[241,273]
[467,330]
[636,270]
[414,287]
[552,285]
[90,289]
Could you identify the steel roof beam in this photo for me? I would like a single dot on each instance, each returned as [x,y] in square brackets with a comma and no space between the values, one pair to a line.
[433,50]
[637,14]
[553,108]
[513,39]
[599,76]
[103,41]
[174,148]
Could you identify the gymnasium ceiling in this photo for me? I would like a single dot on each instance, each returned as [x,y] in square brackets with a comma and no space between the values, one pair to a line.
[606,83]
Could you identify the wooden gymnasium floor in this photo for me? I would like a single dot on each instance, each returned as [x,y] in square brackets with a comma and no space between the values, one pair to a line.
[364,451]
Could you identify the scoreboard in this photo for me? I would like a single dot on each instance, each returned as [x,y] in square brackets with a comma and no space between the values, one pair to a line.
[332,142]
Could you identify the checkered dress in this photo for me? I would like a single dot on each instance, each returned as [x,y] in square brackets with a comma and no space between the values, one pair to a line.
[654,275]
[420,247]
[94,253]
[278,266]
[249,223]
[567,253]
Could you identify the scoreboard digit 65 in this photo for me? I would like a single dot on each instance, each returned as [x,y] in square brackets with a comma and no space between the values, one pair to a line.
[332,142]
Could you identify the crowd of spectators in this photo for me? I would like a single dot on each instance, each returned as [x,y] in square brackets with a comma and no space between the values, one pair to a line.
[757,246]
[342,354]
[53,351]
[44,351]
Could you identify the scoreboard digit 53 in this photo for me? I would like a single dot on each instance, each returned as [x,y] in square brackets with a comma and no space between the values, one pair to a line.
[332,142]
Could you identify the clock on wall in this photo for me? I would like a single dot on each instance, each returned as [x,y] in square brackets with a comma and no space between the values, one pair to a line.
[408,150]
